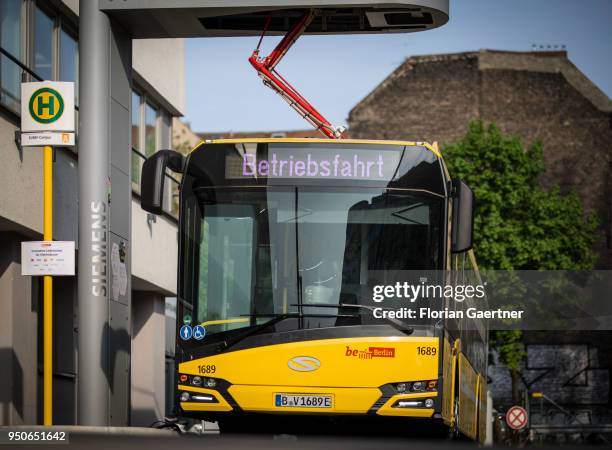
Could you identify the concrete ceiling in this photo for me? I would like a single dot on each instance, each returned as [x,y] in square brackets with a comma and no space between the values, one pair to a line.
[198,18]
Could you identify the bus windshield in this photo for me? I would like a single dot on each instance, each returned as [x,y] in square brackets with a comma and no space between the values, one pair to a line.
[257,252]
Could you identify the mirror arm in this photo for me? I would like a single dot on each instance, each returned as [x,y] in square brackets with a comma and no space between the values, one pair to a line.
[176,161]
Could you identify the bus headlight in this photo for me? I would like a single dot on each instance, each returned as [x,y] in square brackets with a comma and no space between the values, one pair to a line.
[416,386]
[195,380]
[197,397]
[401,387]
[416,403]
[408,404]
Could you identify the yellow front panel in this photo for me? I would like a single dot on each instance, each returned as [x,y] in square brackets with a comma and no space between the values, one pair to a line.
[468,393]
[343,363]
[482,410]
[388,410]
[222,405]
[406,412]
[448,375]
[351,370]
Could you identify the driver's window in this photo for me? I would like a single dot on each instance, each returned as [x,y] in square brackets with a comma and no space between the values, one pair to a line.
[226,263]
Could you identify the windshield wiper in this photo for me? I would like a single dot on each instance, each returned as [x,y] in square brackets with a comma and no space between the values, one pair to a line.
[254,330]
[396,323]
[276,318]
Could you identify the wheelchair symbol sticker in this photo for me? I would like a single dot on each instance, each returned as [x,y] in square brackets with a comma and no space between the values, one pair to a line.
[199,332]
[186,332]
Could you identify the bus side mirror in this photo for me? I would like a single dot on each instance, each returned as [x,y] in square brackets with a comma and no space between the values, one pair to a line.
[463,217]
[153,178]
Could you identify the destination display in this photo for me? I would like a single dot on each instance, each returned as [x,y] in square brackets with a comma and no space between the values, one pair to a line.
[308,163]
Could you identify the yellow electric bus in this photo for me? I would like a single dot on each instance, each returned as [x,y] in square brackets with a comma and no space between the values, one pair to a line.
[281,243]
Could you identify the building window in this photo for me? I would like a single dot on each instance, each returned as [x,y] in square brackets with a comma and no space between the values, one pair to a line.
[144,133]
[10,40]
[150,130]
[136,159]
[41,40]
[43,45]
[69,60]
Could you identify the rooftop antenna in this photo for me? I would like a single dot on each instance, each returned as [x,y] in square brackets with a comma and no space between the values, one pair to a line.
[547,47]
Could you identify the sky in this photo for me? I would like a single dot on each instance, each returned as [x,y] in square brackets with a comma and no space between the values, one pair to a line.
[334,73]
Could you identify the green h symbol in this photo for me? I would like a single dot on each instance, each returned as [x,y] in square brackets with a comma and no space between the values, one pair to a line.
[49,105]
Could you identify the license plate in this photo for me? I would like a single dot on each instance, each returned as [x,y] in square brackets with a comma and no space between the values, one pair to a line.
[302,401]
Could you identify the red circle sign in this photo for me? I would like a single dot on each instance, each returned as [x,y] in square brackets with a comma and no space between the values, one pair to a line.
[516,417]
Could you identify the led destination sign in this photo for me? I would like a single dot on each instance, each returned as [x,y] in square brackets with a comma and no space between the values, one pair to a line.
[311,167]
[350,164]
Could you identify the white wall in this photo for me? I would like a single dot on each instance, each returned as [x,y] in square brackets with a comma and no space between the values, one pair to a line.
[154,252]
[72,4]
[21,181]
[162,63]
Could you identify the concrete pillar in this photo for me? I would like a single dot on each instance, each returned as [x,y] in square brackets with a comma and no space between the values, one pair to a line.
[148,358]
[104,219]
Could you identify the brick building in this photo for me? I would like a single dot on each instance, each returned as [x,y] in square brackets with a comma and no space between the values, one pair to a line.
[535,95]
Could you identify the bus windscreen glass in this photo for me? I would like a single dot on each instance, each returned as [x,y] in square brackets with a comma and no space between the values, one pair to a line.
[258,252]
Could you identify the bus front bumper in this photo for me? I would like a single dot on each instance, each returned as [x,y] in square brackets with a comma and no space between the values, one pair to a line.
[342,401]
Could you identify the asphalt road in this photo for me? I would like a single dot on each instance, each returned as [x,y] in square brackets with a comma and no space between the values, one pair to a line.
[151,439]
[248,442]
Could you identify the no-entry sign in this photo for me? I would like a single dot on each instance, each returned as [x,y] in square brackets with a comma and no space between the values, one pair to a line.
[516,417]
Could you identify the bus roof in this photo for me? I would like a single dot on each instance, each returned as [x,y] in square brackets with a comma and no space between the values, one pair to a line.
[431,147]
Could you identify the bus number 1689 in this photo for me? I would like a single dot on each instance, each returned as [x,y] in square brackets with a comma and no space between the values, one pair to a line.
[428,351]
[208,368]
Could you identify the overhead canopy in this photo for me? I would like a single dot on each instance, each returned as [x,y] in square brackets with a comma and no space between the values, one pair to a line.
[210,18]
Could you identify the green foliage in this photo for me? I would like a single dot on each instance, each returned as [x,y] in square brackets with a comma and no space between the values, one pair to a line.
[519,224]
[509,344]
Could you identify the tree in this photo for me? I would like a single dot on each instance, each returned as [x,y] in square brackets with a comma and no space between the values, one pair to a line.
[518,224]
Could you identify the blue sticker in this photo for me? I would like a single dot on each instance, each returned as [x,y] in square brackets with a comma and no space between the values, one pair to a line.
[199,332]
[186,332]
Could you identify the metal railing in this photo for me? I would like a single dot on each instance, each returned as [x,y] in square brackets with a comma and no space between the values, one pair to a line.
[24,68]
[21,65]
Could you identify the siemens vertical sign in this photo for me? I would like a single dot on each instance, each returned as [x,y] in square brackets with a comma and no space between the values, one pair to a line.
[98,249]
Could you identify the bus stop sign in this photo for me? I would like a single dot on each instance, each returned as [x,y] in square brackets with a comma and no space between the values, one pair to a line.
[47,106]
